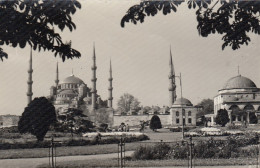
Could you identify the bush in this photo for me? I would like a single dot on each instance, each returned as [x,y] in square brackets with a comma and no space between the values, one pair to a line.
[155,123]
[73,142]
[222,117]
[159,151]
[235,146]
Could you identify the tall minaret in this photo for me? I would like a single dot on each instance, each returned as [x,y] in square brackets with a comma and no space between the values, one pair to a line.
[94,80]
[57,76]
[110,88]
[172,85]
[30,82]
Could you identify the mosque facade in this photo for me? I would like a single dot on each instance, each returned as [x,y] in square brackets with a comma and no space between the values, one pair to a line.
[241,98]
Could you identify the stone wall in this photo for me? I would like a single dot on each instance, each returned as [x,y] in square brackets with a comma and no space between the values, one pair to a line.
[134,120]
[9,120]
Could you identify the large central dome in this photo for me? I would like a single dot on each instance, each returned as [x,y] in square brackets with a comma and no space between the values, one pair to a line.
[72,79]
[239,82]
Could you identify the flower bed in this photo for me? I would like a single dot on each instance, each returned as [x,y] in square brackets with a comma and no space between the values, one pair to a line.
[109,134]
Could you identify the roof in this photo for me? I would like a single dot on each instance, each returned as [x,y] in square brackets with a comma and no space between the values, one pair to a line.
[67,91]
[72,79]
[183,101]
[239,82]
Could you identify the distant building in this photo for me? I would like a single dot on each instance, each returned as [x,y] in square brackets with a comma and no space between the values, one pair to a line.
[72,92]
[240,97]
[9,120]
[183,112]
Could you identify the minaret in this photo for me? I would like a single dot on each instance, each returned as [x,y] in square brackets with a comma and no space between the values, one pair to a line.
[94,80]
[110,88]
[30,82]
[172,85]
[57,76]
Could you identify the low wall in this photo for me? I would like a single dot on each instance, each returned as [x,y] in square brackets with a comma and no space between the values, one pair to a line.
[134,120]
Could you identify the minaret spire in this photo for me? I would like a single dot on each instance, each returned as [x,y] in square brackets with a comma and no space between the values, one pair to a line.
[172,85]
[94,80]
[110,88]
[57,76]
[30,82]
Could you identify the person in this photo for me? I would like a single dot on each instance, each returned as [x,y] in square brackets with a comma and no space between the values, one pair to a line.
[127,128]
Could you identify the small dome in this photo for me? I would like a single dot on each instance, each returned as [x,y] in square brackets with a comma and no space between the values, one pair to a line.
[72,79]
[82,85]
[239,82]
[182,101]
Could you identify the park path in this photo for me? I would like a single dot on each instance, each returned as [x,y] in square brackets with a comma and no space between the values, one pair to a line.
[34,162]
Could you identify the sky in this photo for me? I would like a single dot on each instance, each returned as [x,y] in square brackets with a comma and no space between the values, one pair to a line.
[139,54]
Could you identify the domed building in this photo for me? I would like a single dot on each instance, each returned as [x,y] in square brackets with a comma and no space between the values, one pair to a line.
[183,112]
[72,92]
[240,97]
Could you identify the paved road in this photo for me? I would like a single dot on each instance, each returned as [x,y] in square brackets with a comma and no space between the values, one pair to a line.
[34,162]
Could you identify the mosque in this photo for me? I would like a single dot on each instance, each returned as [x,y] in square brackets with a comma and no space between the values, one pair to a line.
[72,92]
[241,98]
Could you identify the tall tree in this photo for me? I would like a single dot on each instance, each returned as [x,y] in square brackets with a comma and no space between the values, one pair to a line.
[207,106]
[37,118]
[127,102]
[34,22]
[233,19]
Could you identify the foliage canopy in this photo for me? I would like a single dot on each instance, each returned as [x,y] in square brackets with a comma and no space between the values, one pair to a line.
[37,118]
[234,19]
[34,22]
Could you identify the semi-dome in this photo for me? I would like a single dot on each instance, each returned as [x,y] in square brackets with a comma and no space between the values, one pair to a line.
[239,82]
[182,101]
[72,79]
[67,92]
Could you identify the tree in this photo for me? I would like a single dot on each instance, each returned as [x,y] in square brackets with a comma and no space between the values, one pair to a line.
[155,123]
[37,118]
[233,19]
[222,117]
[74,119]
[252,118]
[207,106]
[127,102]
[34,22]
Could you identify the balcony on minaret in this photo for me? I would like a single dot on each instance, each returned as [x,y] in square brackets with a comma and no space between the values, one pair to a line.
[30,82]
[29,93]
[30,71]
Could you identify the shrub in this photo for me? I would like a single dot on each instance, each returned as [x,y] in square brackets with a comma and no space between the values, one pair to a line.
[159,151]
[222,117]
[235,146]
[73,142]
[155,123]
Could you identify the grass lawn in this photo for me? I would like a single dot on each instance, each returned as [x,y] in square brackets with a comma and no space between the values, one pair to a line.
[65,151]
[154,163]
[162,134]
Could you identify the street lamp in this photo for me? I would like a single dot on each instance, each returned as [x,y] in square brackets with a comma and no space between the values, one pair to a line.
[181,107]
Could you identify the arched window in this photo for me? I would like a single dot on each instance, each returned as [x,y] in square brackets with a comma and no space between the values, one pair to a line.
[189,113]
[177,113]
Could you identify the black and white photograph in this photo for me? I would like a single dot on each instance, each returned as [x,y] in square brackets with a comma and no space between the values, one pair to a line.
[130,83]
